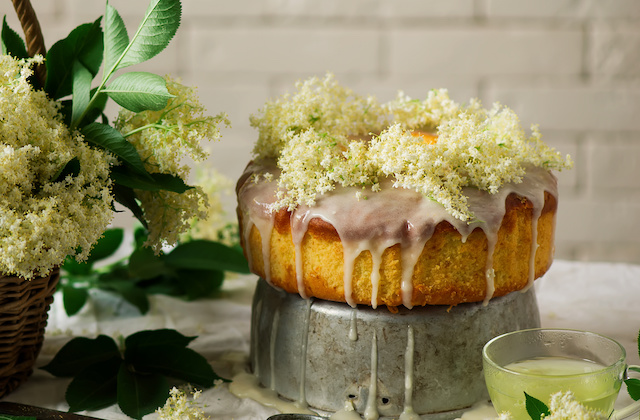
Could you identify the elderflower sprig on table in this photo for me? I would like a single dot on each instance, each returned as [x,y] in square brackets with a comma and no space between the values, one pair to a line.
[325,135]
[179,407]
[64,165]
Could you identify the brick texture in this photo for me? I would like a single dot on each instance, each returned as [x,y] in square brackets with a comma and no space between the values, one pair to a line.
[571,66]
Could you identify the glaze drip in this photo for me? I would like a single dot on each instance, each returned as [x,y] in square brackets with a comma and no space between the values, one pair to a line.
[386,218]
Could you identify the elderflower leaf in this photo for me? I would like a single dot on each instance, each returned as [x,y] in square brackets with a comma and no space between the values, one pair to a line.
[151,182]
[156,30]
[535,407]
[139,395]
[83,46]
[208,255]
[135,377]
[112,140]
[80,353]
[73,298]
[107,245]
[95,387]
[11,43]
[116,40]
[139,91]
[633,388]
[82,78]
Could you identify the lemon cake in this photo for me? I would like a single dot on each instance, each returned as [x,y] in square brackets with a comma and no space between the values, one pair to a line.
[410,202]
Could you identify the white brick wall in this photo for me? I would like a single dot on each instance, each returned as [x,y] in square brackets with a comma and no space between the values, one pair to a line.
[572,66]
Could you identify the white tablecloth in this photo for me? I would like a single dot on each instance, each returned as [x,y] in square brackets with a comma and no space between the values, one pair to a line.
[599,297]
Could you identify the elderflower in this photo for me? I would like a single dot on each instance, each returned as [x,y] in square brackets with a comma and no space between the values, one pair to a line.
[214,226]
[322,137]
[323,105]
[565,407]
[178,406]
[43,218]
[164,139]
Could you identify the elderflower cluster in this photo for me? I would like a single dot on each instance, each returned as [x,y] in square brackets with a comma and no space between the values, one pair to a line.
[322,105]
[164,139]
[42,218]
[178,406]
[564,406]
[435,146]
[215,226]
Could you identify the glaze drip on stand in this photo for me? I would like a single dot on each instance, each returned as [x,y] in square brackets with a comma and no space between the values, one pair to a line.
[311,352]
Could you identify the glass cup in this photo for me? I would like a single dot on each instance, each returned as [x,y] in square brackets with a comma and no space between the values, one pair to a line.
[542,362]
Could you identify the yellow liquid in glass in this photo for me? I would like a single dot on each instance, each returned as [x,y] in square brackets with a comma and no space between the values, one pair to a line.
[543,376]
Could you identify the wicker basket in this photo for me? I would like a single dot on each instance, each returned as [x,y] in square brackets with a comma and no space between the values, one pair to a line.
[24,305]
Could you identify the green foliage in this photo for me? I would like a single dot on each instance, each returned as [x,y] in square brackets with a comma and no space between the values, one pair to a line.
[535,408]
[191,270]
[11,43]
[75,61]
[633,384]
[135,377]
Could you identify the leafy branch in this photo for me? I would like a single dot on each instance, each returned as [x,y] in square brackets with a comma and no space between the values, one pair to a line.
[191,270]
[74,62]
[135,375]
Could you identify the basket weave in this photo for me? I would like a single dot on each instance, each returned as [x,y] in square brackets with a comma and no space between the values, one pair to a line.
[24,306]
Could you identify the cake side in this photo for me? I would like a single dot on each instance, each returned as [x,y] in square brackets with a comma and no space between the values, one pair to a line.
[447,272]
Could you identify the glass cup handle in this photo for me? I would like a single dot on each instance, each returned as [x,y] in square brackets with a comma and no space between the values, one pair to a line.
[632,408]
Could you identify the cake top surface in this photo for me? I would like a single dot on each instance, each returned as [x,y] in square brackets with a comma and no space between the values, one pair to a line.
[325,136]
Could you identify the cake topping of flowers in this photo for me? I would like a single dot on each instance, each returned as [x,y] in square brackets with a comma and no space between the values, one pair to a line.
[325,136]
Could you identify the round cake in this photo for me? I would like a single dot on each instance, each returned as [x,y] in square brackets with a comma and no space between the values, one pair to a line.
[405,203]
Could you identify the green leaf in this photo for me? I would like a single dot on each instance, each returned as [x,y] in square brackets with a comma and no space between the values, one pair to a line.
[10,417]
[73,298]
[140,236]
[116,40]
[159,25]
[112,140]
[207,255]
[633,388]
[12,43]
[107,245]
[76,268]
[176,362]
[158,182]
[199,283]
[127,197]
[95,387]
[144,264]
[80,353]
[81,90]
[139,91]
[150,339]
[84,46]
[129,292]
[634,368]
[141,394]
[70,168]
[535,407]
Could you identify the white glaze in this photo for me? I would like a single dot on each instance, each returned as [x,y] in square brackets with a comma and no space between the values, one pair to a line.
[272,348]
[353,328]
[245,385]
[347,413]
[302,399]
[391,216]
[371,411]
[408,412]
